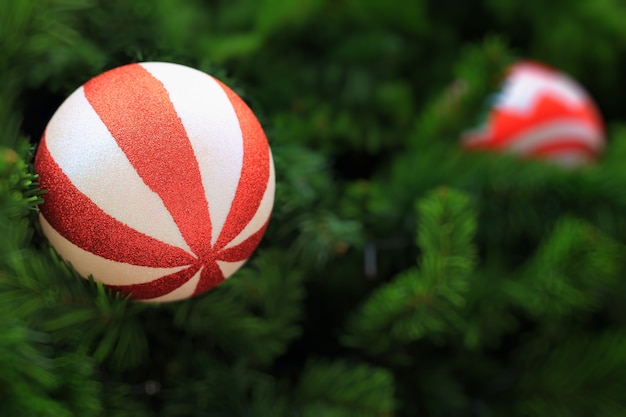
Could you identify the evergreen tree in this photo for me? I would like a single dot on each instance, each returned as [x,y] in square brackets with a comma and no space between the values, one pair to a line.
[399,276]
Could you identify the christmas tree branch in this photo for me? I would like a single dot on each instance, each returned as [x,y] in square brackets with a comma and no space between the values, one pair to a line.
[424,302]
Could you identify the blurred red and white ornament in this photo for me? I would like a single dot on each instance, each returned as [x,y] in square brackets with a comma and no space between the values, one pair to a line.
[541,113]
[160,181]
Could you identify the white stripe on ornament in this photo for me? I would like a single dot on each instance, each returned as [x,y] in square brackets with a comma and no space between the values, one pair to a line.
[553,132]
[229,268]
[263,212]
[524,88]
[87,153]
[213,129]
[103,270]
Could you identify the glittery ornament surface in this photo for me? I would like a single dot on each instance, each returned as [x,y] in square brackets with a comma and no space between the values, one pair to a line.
[174,144]
[255,162]
[78,219]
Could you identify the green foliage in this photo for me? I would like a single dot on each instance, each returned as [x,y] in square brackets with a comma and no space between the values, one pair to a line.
[476,75]
[571,272]
[424,302]
[338,390]
[36,380]
[21,381]
[579,375]
[323,388]
[244,317]
[19,188]
[221,389]
[399,275]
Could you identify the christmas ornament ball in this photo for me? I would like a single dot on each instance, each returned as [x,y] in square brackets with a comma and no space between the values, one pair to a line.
[159,178]
[541,113]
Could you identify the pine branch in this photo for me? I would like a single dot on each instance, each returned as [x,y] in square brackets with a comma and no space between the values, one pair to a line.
[211,387]
[27,376]
[254,315]
[424,302]
[584,374]
[337,389]
[121,400]
[19,189]
[87,317]
[36,380]
[572,272]
[476,75]
[304,212]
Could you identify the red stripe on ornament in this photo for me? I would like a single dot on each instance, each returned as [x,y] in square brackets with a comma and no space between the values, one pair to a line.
[78,219]
[158,287]
[255,171]
[243,250]
[137,110]
[504,125]
[210,276]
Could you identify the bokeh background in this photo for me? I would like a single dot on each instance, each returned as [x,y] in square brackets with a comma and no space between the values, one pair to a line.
[400,275]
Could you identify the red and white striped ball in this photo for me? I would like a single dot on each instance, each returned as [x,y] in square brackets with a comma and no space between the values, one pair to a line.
[541,113]
[160,181]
